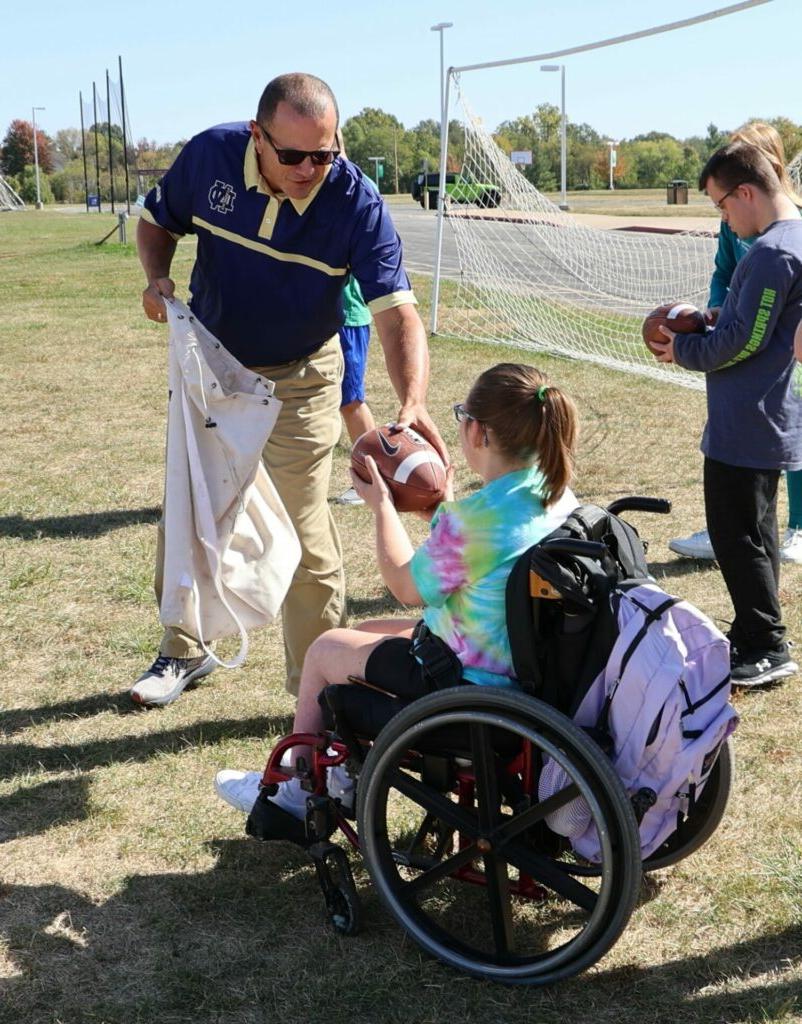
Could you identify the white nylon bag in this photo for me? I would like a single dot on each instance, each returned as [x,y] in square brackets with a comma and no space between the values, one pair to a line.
[230,550]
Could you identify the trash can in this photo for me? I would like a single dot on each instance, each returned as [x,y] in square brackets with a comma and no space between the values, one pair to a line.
[677,193]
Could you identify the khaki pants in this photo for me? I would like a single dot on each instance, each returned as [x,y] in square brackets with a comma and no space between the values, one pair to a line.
[298,459]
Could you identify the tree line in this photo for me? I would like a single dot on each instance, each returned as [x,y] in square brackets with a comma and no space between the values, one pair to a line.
[645,161]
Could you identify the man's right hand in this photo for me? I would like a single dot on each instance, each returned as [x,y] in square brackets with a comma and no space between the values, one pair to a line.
[153,298]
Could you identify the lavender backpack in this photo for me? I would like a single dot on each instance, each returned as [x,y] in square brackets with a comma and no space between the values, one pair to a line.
[662,701]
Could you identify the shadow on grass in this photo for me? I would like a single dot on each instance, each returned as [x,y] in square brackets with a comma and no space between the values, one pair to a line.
[679,568]
[26,757]
[35,809]
[374,607]
[15,719]
[89,524]
[246,938]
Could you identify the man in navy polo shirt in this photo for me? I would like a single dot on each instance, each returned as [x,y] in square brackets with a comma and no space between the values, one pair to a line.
[281,221]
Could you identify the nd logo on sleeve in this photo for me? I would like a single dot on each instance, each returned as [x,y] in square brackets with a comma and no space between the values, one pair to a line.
[221,197]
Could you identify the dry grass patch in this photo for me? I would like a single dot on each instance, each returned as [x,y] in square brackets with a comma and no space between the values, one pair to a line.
[128,892]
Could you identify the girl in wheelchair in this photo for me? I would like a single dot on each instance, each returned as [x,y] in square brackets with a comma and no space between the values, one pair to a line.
[518,434]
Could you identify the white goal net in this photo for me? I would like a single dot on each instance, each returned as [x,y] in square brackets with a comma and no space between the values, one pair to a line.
[9,200]
[531,275]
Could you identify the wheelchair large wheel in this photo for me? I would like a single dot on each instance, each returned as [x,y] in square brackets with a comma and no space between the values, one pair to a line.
[537,914]
[703,820]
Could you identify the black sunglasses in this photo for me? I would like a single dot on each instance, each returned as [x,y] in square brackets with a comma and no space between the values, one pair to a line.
[293,157]
[461,414]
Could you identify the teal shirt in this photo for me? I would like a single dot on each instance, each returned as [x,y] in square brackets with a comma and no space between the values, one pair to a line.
[356,312]
[461,570]
[730,250]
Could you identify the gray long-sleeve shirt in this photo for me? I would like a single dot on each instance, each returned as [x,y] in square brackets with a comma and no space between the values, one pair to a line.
[754,384]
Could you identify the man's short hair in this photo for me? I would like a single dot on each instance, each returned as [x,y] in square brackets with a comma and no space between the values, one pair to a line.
[307,95]
[738,163]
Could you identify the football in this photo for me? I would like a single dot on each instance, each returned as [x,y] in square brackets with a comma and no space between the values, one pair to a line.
[680,317]
[411,467]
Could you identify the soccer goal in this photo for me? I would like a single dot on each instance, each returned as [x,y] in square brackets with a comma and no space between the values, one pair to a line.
[9,200]
[531,275]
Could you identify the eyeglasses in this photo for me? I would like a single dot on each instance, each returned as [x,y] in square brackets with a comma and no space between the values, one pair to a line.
[461,414]
[719,205]
[293,157]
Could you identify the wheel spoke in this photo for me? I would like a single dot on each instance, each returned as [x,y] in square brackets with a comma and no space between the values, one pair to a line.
[547,872]
[499,903]
[511,827]
[442,870]
[484,771]
[434,802]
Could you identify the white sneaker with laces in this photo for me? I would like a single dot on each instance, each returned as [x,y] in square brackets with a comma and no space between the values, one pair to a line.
[240,789]
[696,546]
[167,678]
[791,547]
[349,497]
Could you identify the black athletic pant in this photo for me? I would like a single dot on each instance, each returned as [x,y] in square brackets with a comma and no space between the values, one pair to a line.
[741,509]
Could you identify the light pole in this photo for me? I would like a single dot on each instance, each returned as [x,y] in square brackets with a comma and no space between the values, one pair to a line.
[440,27]
[36,158]
[563,130]
[613,161]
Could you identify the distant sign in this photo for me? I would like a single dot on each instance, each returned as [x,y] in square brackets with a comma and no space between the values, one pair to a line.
[92,200]
[140,200]
[613,158]
[521,156]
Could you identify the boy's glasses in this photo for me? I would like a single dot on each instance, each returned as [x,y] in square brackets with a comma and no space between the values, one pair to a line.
[461,414]
[293,157]
[719,205]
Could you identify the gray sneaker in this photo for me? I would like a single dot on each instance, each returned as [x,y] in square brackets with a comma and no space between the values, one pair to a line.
[696,546]
[167,678]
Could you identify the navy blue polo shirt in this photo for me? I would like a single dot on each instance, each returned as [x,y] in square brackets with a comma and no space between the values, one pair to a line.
[270,270]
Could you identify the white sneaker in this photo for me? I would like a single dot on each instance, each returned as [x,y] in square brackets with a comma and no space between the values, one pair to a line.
[696,546]
[341,787]
[240,789]
[791,547]
[167,678]
[350,497]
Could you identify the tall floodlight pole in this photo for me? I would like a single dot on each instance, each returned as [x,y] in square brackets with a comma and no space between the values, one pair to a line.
[83,150]
[563,132]
[125,138]
[36,157]
[108,134]
[97,146]
[440,27]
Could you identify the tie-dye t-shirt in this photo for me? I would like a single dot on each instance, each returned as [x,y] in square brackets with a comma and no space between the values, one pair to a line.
[461,570]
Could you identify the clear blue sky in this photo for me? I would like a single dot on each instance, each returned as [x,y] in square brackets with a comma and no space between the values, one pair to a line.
[192,63]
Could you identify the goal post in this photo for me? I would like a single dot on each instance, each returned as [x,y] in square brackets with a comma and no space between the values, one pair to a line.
[533,276]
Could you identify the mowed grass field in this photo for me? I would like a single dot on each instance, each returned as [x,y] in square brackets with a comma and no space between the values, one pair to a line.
[128,892]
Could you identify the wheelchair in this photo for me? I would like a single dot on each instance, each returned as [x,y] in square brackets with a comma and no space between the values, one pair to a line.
[453,833]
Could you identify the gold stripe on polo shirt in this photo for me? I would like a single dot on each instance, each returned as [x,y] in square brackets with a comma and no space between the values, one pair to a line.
[267,250]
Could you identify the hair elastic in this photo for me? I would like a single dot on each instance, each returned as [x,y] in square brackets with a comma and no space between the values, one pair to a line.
[541,392]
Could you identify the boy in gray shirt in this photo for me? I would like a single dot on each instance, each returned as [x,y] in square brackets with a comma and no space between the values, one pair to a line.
[754,403]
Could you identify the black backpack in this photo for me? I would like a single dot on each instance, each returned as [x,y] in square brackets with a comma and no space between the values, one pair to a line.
[562,641]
